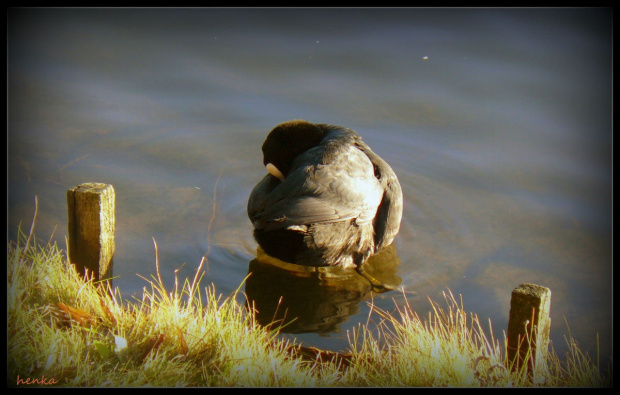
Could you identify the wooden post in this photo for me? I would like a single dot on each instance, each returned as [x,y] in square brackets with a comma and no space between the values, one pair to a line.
[91,229]
[528,326]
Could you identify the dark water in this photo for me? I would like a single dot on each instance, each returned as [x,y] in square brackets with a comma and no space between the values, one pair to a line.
[497,122]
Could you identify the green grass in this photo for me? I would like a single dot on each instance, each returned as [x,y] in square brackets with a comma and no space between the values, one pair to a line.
[450,349]
[64,331]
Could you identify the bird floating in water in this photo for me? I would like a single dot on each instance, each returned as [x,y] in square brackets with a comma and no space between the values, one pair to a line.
[327,200]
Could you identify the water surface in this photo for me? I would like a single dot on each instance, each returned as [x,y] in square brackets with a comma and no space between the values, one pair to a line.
[497,123]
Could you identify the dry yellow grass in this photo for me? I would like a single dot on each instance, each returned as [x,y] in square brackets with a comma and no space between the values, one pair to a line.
[63,331]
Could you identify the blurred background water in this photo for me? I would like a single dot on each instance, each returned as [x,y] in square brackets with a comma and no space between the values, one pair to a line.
[496,121]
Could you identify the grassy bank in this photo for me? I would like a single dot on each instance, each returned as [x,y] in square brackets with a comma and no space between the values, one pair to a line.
[63,331]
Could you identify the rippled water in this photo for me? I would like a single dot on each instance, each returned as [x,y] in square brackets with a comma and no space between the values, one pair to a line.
[497,123]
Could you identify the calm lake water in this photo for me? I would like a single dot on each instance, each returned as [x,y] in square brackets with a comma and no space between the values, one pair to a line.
[497,123]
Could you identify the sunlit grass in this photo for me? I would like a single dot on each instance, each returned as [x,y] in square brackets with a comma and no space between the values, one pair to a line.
[450,348]
[444,350]
[64,328]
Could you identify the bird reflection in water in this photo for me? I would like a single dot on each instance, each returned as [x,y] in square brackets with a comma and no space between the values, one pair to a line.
[314,299]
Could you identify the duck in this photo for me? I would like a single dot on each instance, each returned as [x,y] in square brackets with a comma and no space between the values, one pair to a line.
[327,199]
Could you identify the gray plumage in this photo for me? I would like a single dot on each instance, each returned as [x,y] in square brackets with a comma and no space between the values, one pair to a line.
[338,202]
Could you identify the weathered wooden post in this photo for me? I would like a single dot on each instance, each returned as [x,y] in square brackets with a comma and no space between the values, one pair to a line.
[91,229]
[528,326]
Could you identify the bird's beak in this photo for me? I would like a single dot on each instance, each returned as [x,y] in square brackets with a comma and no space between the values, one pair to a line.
[274,171]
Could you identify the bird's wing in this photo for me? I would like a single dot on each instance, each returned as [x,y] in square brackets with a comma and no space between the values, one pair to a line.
[389,214]
[259,194]
[342,190]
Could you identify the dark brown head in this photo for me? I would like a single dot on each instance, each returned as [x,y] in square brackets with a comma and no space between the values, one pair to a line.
[287,141]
